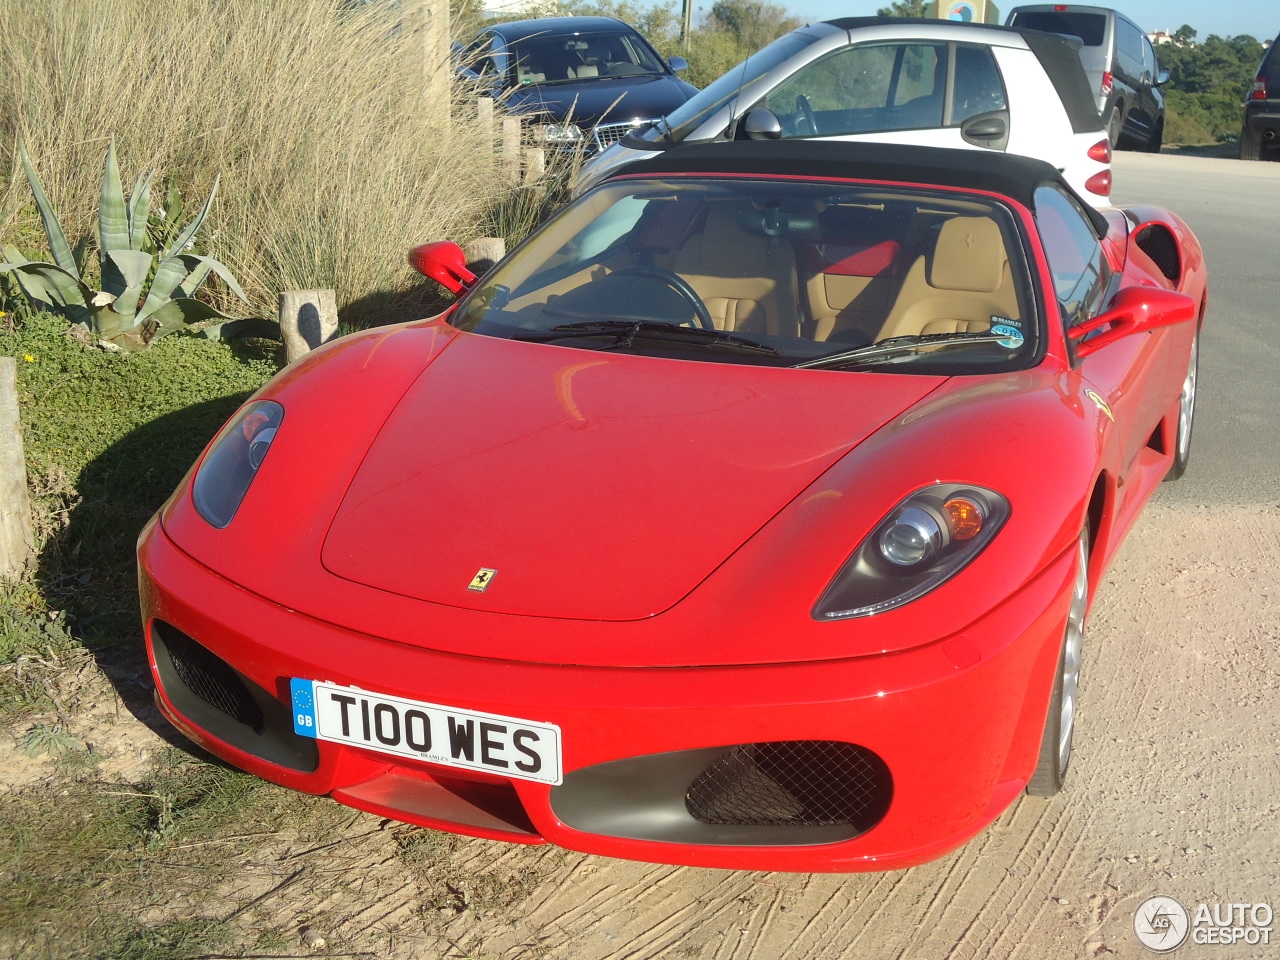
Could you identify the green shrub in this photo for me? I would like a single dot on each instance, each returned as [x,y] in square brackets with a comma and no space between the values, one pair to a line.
[140,266]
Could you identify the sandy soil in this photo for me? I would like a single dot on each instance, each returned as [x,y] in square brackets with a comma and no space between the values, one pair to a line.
[1174,790]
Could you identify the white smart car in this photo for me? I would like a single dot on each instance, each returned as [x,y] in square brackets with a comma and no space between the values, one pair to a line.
[928,82]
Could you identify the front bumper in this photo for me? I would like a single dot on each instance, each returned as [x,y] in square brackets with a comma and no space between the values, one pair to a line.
[956,725]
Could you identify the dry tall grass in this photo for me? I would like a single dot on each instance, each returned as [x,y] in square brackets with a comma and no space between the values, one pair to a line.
[333,164]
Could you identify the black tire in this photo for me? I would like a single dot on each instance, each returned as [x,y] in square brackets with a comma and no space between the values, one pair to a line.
[1186,415]
[1250,144]
[1113,125]
[1059,724]
[1157,138]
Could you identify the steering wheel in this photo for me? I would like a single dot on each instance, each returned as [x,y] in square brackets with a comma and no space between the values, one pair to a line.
[676,283]
[805,110]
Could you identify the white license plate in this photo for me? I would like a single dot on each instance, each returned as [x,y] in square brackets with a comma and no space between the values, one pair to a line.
[508,746]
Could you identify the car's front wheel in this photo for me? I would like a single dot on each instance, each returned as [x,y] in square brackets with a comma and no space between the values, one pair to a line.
[1186,414]
[1060,724]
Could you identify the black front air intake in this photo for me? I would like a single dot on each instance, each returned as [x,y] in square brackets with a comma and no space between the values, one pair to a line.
[792,782]
[211,678]
[215,697]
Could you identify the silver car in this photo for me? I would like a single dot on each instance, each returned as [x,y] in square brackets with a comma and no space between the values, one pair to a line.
[1120,63]
[930,83]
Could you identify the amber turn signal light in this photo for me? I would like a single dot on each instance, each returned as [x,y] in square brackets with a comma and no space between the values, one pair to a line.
[965,516]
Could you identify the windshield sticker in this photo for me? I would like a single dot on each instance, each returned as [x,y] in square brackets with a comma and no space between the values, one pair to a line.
[1009,329]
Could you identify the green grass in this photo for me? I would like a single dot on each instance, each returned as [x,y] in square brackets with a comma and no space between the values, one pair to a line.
[107,438]
[88,859]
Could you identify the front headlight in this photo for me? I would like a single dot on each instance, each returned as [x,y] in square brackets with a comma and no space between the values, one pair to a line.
[233,461]
[924,541]
[561,132]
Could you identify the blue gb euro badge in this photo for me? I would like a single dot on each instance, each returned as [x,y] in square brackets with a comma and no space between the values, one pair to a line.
[302,692]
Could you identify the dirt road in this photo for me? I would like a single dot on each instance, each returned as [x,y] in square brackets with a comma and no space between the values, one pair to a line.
[1175,790]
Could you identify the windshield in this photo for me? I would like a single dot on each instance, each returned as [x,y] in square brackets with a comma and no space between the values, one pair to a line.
[1091,28]
[686,118]
[802,274]
[562,58]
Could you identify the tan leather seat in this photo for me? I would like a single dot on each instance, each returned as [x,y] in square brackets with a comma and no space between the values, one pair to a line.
[747,281]
[850,297]
[965,283]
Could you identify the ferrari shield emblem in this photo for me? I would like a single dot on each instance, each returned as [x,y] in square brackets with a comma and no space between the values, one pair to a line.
[480,582]
[1101,404]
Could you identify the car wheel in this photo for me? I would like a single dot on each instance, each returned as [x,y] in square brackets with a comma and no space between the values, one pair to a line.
[1250,144]
[1060,724]
[1186,415]
[1157,138]
[1113,127]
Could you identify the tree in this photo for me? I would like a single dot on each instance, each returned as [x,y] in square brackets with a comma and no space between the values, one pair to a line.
[1185,34]
[752,24]
[905,8]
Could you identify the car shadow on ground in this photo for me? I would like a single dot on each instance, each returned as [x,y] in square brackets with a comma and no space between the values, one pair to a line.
[89,567]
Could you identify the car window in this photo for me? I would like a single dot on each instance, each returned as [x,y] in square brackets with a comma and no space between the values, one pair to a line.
[778,273]
[477,55]
[1129,46]
[1091,28]
[1148,58]
[684,119]
[1076,259]
[979,87]
[863,89]
[1271,67]
[546,58]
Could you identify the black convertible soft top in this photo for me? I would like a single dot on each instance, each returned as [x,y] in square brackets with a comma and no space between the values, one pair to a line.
[1005,174]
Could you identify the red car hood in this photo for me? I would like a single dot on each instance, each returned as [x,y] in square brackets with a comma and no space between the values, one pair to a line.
[598,486]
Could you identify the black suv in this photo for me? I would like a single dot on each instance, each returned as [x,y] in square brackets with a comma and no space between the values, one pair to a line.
[1260,135]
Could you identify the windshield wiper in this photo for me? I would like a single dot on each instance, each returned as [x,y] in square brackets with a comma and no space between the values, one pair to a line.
[895,346]
[628,330]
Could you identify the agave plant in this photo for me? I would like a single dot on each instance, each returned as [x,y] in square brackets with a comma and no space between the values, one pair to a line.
[147,287]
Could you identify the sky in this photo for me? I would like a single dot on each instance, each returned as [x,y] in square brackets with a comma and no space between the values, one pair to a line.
[1259,18]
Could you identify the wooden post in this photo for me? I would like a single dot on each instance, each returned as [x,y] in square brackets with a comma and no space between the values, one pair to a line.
[16,537]
[511,148]
[535,165]
[483,254]
[436,66]
[308,318]
[484,120]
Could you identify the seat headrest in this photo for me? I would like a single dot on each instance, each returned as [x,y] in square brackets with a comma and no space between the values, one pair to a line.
[970,256]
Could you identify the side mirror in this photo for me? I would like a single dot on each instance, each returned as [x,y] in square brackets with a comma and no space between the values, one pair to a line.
[443,262]
[1133,310]
[1162,78]
[762,124]
[678,63]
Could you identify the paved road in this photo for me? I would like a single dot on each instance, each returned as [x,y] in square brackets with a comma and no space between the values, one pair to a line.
[1234,208]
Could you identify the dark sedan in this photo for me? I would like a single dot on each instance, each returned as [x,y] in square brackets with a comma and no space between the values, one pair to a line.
[591,79]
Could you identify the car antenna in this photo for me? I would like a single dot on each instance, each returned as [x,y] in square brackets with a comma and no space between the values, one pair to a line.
[733,103]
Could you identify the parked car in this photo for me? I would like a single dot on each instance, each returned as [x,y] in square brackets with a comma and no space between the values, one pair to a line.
[881,79]
[1121,65]
[1260,135]
[746,515]
[591,79]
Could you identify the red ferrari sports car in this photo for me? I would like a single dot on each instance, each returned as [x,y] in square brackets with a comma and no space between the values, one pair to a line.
[746,515]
